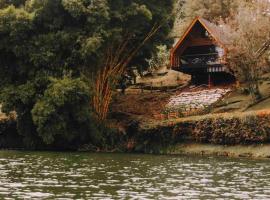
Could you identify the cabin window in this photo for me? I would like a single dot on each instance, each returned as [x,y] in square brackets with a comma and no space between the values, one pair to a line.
[220,51]
[205,34]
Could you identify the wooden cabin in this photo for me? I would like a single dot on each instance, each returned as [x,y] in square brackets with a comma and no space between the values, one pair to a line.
[201,52]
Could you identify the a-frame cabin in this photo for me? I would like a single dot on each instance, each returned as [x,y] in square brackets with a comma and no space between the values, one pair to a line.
[201,52]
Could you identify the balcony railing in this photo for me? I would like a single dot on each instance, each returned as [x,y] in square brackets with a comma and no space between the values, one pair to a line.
[202,68]
[205,63]
[202,59]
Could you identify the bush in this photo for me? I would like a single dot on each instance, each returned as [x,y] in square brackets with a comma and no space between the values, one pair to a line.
[9,137]
[21,99]
[64,111]
[223,129]
[243,129]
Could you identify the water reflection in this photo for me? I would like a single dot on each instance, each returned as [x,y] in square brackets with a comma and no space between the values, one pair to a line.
[114,176]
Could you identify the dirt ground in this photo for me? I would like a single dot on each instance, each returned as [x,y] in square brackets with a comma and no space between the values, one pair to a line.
[140,106]
[143,105]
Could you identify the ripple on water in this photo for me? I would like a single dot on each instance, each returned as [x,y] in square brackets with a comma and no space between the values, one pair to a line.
[111,176]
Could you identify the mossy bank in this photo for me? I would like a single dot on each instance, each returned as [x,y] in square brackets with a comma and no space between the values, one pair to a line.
[236,151]
[239,134]
[235,135]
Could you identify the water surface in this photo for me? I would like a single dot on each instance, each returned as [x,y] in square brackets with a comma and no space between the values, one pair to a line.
[46,175]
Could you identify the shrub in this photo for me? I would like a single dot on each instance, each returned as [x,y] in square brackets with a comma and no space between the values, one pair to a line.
[242,129]
[9,137]
[64,111]
[223,129]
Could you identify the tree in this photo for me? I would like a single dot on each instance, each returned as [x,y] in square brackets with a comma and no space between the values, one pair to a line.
[48,39]
[160,59]
[63,111]
[249,30]
[212,10]
[108,76]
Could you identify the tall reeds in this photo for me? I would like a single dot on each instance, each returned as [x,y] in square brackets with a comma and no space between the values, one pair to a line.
[114,66]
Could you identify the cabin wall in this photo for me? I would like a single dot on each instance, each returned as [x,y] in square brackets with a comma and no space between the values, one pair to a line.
[198,36]
[199,54]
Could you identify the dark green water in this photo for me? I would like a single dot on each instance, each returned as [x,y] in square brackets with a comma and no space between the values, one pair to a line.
[35,175]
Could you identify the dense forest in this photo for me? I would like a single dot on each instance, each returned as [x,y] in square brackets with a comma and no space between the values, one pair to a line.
[52,50]
[60,60]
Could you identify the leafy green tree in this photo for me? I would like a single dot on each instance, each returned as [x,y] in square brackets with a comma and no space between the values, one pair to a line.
[64,111]
[45,39]
[160,59]
[21,99]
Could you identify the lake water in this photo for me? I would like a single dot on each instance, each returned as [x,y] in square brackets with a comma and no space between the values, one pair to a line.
[46,175]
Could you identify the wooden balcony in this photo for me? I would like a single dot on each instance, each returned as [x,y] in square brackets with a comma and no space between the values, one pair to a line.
[204,63]
[203,68]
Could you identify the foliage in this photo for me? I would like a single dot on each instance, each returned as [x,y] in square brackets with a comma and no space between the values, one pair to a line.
[224,129]
[107,77]
[160,59]
[9,137]
[246,26]
[212,10]
[249,29]
[45,40]
[154,141]
[234,130]
[21,99]
[63,110]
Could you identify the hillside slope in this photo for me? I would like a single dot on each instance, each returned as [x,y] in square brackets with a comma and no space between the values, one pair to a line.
[149,106]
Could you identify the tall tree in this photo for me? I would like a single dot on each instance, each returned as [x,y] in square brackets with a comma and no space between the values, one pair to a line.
[212,10]
[249,33]
[44,40]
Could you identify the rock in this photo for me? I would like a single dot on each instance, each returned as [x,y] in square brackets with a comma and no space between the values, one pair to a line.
[245,155]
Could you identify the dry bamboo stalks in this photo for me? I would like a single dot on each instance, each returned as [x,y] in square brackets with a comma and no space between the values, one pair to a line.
[107,77]
[263,49]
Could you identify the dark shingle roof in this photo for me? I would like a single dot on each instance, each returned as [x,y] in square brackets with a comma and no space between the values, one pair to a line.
[216,31]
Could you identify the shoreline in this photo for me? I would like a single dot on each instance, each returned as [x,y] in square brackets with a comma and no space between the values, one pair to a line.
[253,151]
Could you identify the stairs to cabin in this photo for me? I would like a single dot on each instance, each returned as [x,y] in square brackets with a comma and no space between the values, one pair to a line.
[192,102]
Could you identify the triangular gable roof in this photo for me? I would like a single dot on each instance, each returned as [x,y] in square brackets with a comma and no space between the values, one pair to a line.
[212,29]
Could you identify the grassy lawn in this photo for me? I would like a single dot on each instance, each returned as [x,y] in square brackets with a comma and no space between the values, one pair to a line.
[262,105]
[238,102]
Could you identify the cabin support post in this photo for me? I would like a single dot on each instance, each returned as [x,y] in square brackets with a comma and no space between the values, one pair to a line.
[209,80]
